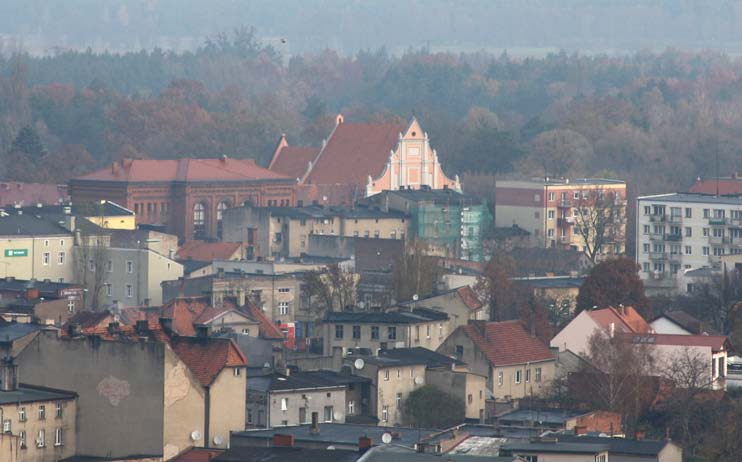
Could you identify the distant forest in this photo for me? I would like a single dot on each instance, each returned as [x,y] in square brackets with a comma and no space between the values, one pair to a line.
[657,120]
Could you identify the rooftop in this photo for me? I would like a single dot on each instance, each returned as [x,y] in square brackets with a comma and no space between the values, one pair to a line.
[337,433]
[389,317]
[359,211]
[683,320]
[13,224]
[94,209]
[725,186]
[30,393]
[13,192]
[554,282]
[734,199]
[715,342]
[292,161]
[13,331]
[465,293]
[508,342]
[223,169]
[625,319]
[208,251]
[303,380]
[428,357]
[592,444]
[286,454]
[207,357]
[46,288]
[436,196]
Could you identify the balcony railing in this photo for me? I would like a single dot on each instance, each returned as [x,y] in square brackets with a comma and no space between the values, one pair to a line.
[673,237]
[564,203]
[718,240]
[658,255]
[567,221]
[717,221]
[675,219]
[657,218]
[676,257]
[656,237]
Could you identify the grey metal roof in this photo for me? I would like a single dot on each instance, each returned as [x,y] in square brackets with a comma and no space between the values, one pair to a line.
[30,225]
[303,381]
[389,317]
[336,433]
[438,196]
[556,282]
[30,394]
[429,357]
[548,416]
[286,454]
[46,288]
[392,453]
[592,444]
[13,331]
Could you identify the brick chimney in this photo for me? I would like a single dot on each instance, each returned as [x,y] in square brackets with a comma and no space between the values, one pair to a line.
[284,441]
[364,444]
[8,374]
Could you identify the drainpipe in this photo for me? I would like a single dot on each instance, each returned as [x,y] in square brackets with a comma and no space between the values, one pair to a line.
[207,415]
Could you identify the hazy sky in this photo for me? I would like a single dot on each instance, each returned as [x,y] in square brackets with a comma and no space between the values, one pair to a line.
[525,26]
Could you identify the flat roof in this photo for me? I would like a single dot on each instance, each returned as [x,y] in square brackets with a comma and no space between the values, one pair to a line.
[698,198]
[417,315]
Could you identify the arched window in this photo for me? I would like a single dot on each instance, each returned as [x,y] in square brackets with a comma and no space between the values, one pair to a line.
[220,208]
[199,221]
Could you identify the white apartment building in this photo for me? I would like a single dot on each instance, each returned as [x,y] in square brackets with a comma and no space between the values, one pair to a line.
[684,231]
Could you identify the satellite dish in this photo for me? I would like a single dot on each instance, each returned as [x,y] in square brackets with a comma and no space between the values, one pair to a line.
[337,416]
[330,448]
[359,363]
[415,297]
[386,438]
[195,435]
[267,365]
[418,380]
[218,440]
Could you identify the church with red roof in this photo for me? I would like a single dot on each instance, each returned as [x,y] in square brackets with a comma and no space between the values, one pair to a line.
[362,159]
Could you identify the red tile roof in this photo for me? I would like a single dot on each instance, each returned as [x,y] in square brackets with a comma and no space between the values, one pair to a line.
[329,194]
[208,251]
[293,161]
[210,313]
[354,152]
[469,298]
[222,169]
[206,357]
[197,455]
[91,319]
[183,312]
[268,330]
[715,342]
[13,192]
[626,319]
[506,343]
[726,186]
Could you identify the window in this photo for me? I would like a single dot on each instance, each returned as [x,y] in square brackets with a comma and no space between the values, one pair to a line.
[22,414]
[646,229]
[550,232]
[576,194]
[60,258]
[129,266]
[91,265]
[283,308]
[22,439]
[551,214]
[351,407]
[399,400]
[705,232]
[284,404]
[417,333]
[328,414]
[109,266]
[42,412]
[129,291]
[356,332]
[391,333]
[688,231]
[237,372]
[386,375]
[199,221]
[538,375]
[338,331]
[277,238]
[459,351]
[688,250]
[284,290]
[284,423]
[46,243]
[220,208]
[517,375]
[440,330]
[302,415]
[551,195]
[46,258]
[385,414]
[706,213]
[6,426]
[688,212]
[58,437]
[428,330]
[646,248]
[500,378]
[41,439]
[71,306]
[469,398]
[647,210]
[705,251]
[399,374]
[528,375]
[645,267]
[374,332]
[109,290]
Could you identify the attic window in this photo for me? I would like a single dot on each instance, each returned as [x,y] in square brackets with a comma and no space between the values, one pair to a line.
[414,133]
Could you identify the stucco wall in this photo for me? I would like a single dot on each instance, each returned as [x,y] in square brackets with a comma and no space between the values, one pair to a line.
[183,404]
[227,403]
[120,387]
[33,424]
[315,402]
[575,335]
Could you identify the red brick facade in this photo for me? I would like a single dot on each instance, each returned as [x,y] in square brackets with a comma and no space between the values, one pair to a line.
[176,194]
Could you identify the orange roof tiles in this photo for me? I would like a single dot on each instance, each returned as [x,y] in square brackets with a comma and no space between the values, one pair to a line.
[726,186]
[183,312]
[293,161]
[508,342]
[268,330]
[469,298]
[206,357]
[625,319]
[208,251]
[354,152]
[149,170]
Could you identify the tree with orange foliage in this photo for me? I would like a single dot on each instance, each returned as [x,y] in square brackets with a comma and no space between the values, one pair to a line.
[614,282]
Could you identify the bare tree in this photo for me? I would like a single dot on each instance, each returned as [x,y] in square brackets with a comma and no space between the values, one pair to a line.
[600,221]
[329,289]
[718,298]
[91,254]
[415,273]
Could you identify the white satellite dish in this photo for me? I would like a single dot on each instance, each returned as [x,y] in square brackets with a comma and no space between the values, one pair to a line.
[337,416]
[418,380]
[330,448]
[218,440]
[195,435]
[359,363]
[415,297]
[386,438]
[267,365]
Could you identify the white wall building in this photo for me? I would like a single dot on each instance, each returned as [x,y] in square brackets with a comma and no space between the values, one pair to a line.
[683,231]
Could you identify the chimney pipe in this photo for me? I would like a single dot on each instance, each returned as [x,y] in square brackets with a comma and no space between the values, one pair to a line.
[314,429]
[8,374]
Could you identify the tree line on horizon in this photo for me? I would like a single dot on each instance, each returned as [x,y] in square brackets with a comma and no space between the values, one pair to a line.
[656,120]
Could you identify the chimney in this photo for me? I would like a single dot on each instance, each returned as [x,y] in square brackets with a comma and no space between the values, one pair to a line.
[114,168]
[314,429]
[284,441]
[612,330]
[240,297]
[113,327]
[364,444]
[32,293]
[580,430]
[167,325]
[202,331]
[8,374]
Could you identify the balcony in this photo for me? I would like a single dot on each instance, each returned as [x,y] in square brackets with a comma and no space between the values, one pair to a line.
[676,257]
[718,221]
[656,237]
[567,221]
[718,240]
[563,240]
[675,219]
[564,203]
[658,255]
[657,218]
[673,237]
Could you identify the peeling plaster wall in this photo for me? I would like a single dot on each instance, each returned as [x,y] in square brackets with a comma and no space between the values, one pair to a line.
[183,411]
[120,387]
[228,396]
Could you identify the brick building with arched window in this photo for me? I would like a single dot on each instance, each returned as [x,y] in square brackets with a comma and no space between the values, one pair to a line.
[185,196]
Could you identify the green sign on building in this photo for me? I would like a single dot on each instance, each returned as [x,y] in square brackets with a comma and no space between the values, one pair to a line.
[16,252]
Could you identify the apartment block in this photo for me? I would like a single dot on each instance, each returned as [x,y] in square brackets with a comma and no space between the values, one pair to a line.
[679,232]
[555,210]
